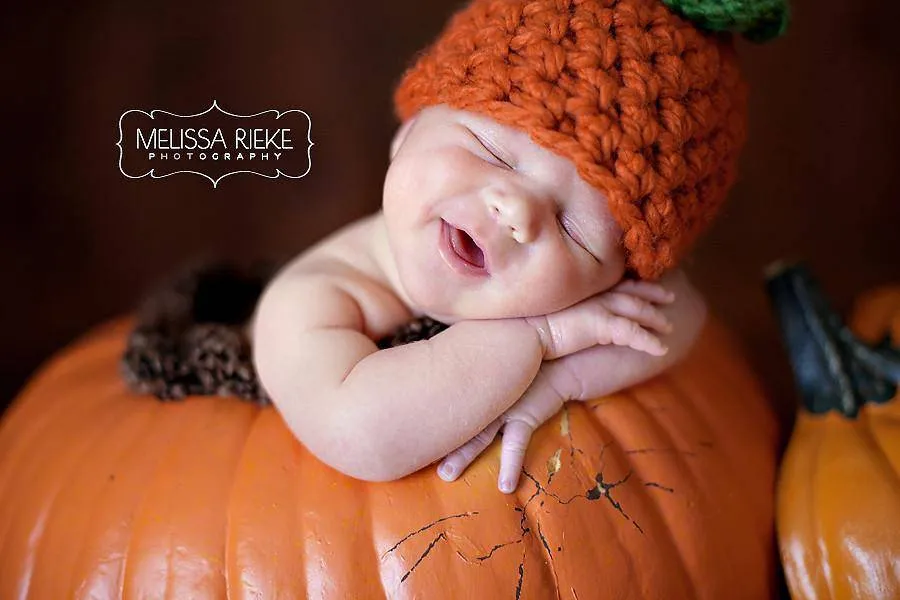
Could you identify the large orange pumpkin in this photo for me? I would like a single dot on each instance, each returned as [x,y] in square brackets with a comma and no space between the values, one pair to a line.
[838,506]
[663,491]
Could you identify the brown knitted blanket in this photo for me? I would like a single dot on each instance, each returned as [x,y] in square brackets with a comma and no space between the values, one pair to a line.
[189,338]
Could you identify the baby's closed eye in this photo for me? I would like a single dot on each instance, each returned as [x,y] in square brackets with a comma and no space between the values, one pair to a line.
[496,155]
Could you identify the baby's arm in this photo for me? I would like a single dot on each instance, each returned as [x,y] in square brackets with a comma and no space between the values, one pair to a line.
[381,414]
[602,370]
[589,373]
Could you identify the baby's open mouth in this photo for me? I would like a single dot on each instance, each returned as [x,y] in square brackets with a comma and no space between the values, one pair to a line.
[466,248]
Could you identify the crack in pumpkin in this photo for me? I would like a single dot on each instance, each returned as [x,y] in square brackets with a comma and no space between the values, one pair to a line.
[440,536]
[550,554]
[494,549]
[553,465]
[602,489]
[567,432]
[664,488]
[525,530]
[521,576]
[426,527]
[662,450]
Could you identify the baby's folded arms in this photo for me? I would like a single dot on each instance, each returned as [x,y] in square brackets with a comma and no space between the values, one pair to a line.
[381,414]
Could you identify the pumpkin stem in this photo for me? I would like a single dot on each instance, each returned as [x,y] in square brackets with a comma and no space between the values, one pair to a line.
[833,368]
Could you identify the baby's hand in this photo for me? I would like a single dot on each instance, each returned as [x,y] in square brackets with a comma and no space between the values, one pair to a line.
[540,402]
[621,316]
[618,316]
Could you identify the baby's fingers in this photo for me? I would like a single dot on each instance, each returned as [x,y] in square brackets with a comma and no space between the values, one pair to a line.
[516,435]
[647,290]
[622,331]
[457,461]
[637,309]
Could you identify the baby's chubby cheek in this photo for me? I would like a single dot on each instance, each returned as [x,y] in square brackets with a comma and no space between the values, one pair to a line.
[416,181]
[399,183]
[554,287]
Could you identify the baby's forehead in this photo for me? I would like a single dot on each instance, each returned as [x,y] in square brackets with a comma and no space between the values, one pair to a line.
[514,140]
[490,125]
[535,162]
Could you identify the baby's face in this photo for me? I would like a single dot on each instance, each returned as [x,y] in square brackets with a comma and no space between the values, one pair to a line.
[483,223]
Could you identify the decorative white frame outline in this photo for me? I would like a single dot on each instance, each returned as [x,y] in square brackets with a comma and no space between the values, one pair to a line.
[215,105]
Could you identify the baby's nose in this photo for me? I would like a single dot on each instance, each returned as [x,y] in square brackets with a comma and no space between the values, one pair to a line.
[516,211]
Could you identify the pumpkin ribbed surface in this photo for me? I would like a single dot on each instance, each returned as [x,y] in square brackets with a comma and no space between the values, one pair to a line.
[661,492]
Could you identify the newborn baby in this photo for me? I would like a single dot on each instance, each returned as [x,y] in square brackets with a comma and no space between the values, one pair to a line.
[552,167]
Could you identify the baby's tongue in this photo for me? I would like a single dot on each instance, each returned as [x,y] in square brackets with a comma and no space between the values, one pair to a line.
[467,248]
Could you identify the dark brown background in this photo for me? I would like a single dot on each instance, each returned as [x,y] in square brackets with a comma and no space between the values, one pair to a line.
[80,243]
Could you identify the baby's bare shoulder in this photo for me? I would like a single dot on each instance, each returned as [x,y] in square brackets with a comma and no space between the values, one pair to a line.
[339,262]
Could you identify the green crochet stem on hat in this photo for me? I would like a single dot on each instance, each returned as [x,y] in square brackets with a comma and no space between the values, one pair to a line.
[757,20]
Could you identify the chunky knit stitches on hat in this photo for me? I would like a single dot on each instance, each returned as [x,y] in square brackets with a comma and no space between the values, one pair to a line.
[649,109]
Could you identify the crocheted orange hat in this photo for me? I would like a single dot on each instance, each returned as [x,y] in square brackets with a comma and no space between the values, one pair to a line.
[649,107]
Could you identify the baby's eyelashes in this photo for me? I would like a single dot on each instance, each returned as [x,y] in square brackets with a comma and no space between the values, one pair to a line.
[503,157]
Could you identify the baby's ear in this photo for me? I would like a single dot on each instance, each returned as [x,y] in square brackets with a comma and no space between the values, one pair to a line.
[401,135]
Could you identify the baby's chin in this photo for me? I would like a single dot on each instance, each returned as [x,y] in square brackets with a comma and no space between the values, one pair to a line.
[451,316]
[456,318]
[439,311]
[423,299]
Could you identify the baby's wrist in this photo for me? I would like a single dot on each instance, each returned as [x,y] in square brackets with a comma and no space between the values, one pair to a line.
[541,326]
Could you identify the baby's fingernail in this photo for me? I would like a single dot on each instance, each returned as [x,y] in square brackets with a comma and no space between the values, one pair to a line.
[446,472]
[507,486]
